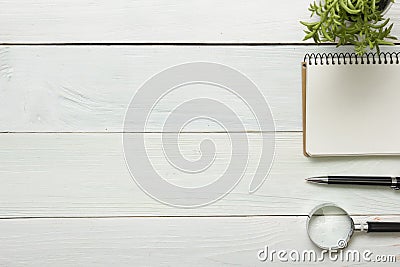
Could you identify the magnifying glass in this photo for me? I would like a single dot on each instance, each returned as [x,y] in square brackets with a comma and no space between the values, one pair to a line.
[331,227]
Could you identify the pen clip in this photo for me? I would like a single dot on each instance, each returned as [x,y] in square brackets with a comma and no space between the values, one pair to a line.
[395,185]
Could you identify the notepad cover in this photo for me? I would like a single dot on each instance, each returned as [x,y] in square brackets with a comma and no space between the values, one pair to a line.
[351,109]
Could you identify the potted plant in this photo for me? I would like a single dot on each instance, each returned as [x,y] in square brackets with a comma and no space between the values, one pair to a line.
[357,22]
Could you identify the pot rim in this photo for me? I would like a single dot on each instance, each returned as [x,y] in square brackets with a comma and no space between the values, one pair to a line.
[386,9]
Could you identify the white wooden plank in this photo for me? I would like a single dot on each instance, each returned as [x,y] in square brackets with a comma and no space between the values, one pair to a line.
[87,89]
[172,242]
[226,21]
[85,175]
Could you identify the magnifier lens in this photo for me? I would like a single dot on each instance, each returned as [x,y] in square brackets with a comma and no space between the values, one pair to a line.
[330,227]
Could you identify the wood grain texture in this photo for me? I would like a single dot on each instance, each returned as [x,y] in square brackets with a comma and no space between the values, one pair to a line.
[47,175]
[226,21]
[81,93]
[170,241]
[88,89]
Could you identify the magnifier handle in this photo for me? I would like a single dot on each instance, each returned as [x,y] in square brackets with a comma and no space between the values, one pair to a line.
[383,226]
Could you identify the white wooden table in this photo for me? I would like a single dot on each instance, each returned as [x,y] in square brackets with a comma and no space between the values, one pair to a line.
[68,70]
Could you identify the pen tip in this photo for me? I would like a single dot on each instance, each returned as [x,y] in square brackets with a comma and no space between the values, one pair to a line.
[317,179]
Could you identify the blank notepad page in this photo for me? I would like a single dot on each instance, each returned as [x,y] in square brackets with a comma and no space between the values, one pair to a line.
[352,109]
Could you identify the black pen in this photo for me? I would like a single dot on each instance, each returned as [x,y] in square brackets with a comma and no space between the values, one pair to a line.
[392,181]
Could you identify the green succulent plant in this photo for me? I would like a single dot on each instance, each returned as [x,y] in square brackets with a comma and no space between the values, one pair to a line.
[357,22]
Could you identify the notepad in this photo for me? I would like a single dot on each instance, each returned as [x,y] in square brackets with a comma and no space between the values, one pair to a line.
[351,109]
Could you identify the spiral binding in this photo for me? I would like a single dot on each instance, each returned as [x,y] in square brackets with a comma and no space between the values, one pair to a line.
[352,58]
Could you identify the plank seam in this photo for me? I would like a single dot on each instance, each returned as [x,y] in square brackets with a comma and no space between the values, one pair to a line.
[175,216]
[156,132]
